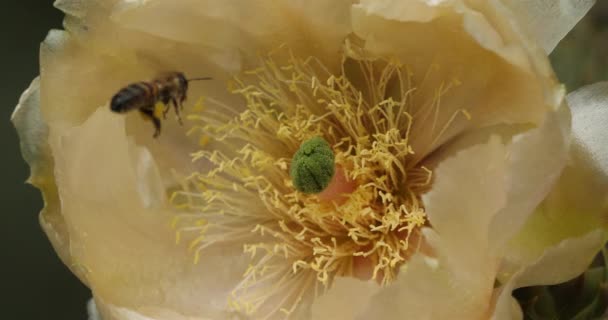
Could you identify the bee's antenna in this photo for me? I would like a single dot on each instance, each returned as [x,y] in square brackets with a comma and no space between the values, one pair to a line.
[197,79]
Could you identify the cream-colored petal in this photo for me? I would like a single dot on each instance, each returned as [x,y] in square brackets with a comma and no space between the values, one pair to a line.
[84,9]
[78,78]
[532,177]
[139,265]
[570,210]
[75,8]
[75,80]
[506,306]
[490,71]
[469,190]
[92,310]
[98,310]
[33,136]
[549,21]
[426,290]
[148,182]
[564,261]
[32,130]
[492,36]
[578,203]
[406,10]
[469,19]
[345,300]
[244,28]
[589,117]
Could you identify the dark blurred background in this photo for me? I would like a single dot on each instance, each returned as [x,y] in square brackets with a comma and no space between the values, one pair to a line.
[35,283]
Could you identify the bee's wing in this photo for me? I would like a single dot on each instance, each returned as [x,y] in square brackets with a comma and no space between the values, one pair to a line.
[161,68]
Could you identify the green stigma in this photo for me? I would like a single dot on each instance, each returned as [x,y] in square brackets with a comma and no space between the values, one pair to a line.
[312,166]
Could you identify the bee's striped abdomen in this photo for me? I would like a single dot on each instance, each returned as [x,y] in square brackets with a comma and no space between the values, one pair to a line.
[134,96]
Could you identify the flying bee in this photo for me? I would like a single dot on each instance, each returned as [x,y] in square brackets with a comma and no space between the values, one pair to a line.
[169,88]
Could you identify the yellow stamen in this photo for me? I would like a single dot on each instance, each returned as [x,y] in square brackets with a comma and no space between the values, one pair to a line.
[298,243]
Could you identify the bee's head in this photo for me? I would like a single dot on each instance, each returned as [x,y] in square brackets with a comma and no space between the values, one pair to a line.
[182,82]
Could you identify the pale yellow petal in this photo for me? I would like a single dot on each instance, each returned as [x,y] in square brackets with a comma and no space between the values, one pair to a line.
[76,79]
[506,306]
[492,72]
[589,117]
[570,210]
[578,202]
[426,290]
[564,261]
[32,131]
[469,190]
[33,136]
[99,176]
[345,300]
[532,177]
[244,28]
[405,10]
[549,21]
[70,62]
[81,8]
[92,310]
[98,310]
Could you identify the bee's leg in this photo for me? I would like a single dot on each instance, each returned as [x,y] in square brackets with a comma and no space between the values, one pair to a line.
[167,108]
[165,111]
[176,106]
[149,113]
[181,102]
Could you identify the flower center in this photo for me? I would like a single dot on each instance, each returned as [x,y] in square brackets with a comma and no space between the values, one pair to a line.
[312,166]
[364,224]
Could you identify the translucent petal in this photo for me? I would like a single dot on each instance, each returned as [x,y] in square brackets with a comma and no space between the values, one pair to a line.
[92,310]
[33,136]
[99,176]
[113,312]
[507,307]
[92,63]
[457,284]
[578,202]
[82,8]
[32,130]
[532,177]
[589,117]
[562,262]
[470,189]
[245,28]
[489,67]
[549,20]
[345,299]
[427,291]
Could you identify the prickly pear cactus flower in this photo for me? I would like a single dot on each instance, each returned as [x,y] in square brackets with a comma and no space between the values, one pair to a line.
[395,159]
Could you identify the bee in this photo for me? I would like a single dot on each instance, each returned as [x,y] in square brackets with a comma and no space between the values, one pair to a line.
[170,88]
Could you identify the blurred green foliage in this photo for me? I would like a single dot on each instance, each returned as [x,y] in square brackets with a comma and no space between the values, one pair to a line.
[582,57]
[583,298]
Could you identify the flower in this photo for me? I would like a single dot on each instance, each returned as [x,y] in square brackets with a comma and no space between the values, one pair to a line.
[446,123]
